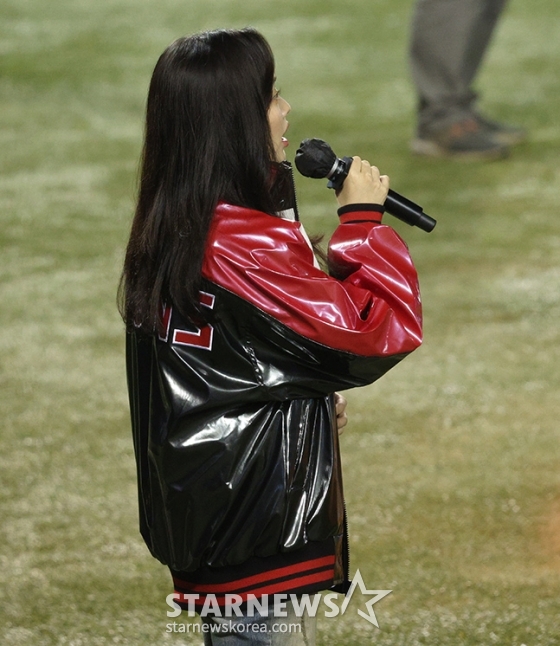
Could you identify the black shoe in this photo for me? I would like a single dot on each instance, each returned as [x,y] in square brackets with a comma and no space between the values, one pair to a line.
[503,133]
[466,139]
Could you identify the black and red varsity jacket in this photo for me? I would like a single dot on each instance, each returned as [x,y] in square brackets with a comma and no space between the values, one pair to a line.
[234,427]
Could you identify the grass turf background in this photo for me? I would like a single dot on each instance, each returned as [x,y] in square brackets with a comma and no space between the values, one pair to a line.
[451,460]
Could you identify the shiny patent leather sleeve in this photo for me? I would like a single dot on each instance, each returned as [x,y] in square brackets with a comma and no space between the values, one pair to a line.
[372,307]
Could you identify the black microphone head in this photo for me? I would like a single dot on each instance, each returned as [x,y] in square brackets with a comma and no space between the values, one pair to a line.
[315,158]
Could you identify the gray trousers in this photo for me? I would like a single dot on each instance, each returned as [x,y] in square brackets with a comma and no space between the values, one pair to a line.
[448,42]
[290,629]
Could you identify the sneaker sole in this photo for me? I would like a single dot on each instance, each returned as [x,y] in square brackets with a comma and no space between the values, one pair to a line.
[431,149]
[508,138]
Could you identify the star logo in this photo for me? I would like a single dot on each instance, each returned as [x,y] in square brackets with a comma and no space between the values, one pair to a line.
[379,594]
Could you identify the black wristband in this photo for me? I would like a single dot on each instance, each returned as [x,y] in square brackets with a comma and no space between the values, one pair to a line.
[353,208]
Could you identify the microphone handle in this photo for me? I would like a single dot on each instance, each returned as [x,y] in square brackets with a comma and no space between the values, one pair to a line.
[407,211]
[395,204]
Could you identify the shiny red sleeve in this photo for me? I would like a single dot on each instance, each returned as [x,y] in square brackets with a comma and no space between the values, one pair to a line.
[371,309]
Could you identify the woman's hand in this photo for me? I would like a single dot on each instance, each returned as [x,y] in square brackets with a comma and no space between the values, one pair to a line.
[364,185]
[340,408]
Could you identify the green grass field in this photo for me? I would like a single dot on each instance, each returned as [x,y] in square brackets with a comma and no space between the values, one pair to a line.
[451,461]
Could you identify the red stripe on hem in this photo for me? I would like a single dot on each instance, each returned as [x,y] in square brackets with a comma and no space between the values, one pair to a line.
[278,573]
[290,584]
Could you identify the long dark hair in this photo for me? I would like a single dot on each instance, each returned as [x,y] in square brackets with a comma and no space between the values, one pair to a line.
[207,139]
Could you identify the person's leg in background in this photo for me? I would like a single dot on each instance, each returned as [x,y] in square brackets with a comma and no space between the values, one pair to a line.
[448,42]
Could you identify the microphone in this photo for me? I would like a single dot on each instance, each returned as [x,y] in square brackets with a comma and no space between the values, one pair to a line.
[315,158]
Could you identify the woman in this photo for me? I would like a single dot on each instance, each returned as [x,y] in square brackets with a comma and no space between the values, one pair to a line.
[237,339]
